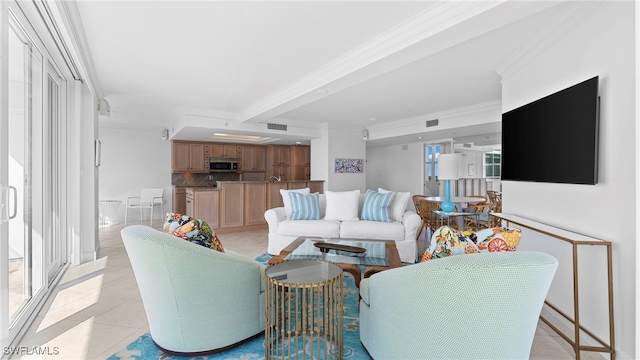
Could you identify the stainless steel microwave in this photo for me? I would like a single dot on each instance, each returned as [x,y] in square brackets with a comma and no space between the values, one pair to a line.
[223,165]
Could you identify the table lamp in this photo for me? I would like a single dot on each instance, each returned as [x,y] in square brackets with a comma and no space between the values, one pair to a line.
[447,171]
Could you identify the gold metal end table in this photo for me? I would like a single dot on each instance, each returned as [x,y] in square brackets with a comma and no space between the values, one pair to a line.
[304,314]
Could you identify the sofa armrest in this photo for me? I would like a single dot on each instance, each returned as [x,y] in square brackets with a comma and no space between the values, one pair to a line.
[274,217]
[411,222]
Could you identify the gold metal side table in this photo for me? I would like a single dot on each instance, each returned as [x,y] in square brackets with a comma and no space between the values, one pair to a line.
[303,310]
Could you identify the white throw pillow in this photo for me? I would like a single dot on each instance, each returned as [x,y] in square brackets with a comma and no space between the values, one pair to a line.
[287,200]
[342,205]
[399,205]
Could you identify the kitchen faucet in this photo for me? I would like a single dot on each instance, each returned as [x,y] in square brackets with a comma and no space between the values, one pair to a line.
[276,178]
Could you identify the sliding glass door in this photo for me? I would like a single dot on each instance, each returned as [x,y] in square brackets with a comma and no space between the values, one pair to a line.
[55,246]
[23,194]
[32,241]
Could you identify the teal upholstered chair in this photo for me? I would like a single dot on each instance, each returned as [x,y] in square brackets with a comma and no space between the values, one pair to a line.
[477,306]
[197,300]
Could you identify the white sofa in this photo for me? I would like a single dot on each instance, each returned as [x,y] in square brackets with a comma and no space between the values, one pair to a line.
[283,231]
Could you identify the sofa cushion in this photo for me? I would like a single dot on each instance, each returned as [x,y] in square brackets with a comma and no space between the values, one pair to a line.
[193,230]
[321,228]
[399,204]
[342,205]
[286,200]
[372,230]
[304,207]
[377,206]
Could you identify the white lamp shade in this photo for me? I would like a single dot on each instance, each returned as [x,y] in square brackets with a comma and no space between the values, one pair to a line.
[447,166]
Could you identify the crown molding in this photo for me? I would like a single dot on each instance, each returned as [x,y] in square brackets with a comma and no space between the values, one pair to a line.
[65,13]
[569,14]
[433,20]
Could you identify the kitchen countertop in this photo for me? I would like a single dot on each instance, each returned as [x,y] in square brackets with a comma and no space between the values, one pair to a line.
[264,181]
[216,186]
[202,188]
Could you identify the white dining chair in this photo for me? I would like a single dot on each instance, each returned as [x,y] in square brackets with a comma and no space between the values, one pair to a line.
[148,199]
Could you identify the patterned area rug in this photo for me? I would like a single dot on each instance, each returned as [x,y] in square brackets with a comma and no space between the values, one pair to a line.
[143,347]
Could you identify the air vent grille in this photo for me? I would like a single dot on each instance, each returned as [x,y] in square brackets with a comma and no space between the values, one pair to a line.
[466,145]
[431,123]
[272,126]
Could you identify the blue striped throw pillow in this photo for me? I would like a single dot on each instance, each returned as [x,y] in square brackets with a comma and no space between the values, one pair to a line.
[377,206]
[305,207]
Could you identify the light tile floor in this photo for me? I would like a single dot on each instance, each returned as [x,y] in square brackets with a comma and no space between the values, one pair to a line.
[96,309]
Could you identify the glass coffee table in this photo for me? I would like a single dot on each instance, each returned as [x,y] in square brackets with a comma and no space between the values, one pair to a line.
[379,255]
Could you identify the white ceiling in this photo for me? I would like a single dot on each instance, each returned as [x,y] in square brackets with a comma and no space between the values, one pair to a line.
[202,66]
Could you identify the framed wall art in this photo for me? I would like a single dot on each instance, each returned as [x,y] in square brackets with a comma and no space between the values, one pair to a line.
[353,166]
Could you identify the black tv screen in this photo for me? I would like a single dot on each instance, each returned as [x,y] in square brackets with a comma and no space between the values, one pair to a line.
[554,139]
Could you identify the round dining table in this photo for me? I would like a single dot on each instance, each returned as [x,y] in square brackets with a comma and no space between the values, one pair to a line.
[461,204]
[457,199]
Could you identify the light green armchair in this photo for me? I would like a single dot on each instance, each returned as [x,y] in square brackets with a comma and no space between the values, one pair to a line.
[197,300]
[477,306]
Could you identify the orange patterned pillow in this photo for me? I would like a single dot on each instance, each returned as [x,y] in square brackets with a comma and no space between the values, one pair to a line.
[447,241]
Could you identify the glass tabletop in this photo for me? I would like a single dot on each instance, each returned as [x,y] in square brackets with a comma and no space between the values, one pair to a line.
[375,252]
[305,271]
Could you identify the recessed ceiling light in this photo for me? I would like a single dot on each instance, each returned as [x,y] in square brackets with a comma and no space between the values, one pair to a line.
[250,138]
[373,119]
[419,137]
[298,142]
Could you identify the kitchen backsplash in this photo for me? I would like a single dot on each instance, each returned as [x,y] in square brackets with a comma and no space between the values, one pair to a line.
[188,179]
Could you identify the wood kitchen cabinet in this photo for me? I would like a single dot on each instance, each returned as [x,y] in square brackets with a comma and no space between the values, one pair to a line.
[203,205]
[243,203]
[301,162]
[282,172]
[316,186]
[190,203]
[301,155]
[232,205]
[189,157]
[179,200]
[279,154]
[255,203]
[278,162]
[292,185]
[225,151]
[274,197]
[253,158]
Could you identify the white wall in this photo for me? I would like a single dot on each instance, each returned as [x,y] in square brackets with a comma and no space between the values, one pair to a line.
[396,168]
[319,159]
[132,160]
[600,43]
[345,144]
[470,164]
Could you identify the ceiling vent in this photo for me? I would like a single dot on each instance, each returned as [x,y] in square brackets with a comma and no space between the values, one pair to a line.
[431,123]
[272,126]
[466,145]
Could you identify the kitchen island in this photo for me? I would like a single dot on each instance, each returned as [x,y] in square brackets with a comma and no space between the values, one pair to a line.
[233,206]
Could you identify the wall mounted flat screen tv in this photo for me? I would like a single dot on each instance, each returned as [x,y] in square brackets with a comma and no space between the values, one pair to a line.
[554,139]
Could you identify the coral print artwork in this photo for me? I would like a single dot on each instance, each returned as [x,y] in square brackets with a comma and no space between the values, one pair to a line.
[349,165]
